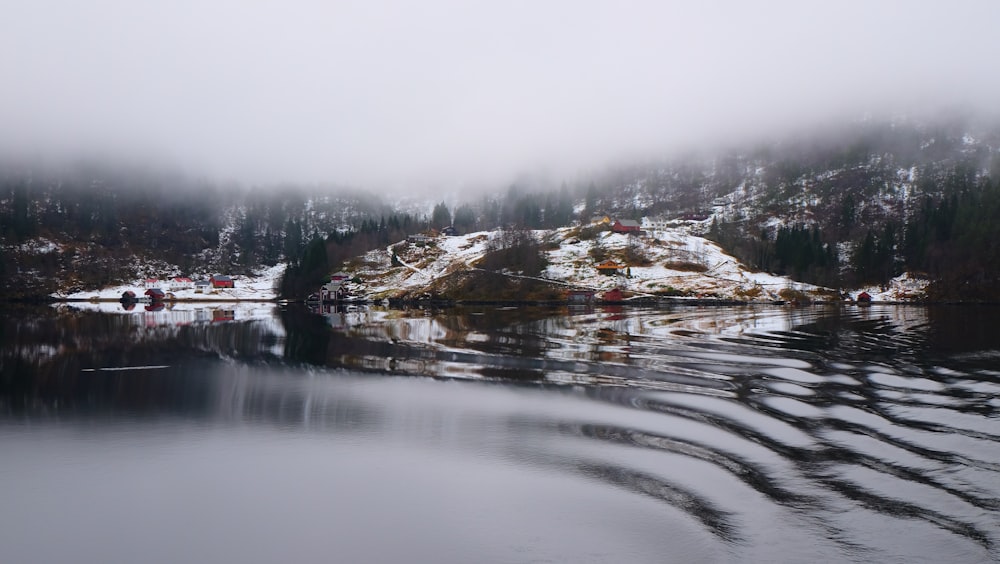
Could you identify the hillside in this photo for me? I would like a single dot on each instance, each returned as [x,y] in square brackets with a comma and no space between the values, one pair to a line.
[851,208]
[85,227]
[670,262]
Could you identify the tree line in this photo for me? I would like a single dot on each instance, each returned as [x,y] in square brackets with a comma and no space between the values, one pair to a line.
[952,237]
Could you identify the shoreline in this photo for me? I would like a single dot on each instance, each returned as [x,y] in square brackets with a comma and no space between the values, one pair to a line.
[406,302]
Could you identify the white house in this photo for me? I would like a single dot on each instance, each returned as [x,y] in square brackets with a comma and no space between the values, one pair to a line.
[656,223]
[181,283]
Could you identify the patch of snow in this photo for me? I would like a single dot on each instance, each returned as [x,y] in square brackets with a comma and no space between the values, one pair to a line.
[39,246]
[262,286]
[680,262]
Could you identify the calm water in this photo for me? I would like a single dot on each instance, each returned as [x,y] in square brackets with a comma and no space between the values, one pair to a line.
[749,434]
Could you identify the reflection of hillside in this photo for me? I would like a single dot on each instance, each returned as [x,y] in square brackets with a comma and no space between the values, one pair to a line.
[178,313]
[51,357]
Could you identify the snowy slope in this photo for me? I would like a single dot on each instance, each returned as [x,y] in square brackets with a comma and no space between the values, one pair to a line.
[677,262]
[262,287]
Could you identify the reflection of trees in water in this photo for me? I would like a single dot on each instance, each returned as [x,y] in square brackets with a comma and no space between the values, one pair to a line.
[482,342]
[74,360]
[419,342]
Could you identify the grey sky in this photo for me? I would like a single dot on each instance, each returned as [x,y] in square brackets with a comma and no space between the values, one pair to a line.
[400,93]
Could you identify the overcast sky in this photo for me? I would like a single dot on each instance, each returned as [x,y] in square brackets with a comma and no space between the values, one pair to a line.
[404,93]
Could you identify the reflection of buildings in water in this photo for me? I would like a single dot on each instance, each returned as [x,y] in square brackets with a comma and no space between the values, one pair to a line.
[178,313]
[340,316]
[613,312]
[73,339]
[383,324]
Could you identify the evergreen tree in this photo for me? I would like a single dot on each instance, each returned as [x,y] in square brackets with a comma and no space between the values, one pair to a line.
[441,216]
[465,219]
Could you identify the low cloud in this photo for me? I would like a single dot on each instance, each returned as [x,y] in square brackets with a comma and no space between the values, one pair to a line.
[408,94]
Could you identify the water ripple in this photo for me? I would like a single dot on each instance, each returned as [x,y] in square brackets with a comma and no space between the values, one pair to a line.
[829,423]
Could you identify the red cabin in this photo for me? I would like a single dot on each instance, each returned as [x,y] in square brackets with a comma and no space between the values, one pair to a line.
[864,298]
[626,226]
[220,281]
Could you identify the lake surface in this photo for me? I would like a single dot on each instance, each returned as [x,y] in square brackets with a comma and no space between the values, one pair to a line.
[684,434]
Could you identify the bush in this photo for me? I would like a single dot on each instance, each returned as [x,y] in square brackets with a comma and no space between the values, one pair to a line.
[515,250]
[685,266]
[791,295]
[751,293]
[591,231]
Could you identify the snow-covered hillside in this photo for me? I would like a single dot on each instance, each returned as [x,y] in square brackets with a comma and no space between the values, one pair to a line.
[673,261]
[262,286]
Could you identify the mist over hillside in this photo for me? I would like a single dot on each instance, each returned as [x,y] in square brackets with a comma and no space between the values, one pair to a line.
[840,208]
[88,225]
[853,206]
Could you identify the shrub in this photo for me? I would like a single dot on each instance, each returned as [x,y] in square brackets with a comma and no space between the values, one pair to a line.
[790,295]
[685,266]
[591,231]
[751,293]
[515,250]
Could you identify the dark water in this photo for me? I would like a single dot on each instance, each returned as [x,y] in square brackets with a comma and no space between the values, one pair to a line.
[749,434]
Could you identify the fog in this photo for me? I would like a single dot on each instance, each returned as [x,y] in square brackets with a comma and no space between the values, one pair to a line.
[405,95]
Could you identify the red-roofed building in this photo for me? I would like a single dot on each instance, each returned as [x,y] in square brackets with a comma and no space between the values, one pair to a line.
[626,226]
[221,281]
[610,267]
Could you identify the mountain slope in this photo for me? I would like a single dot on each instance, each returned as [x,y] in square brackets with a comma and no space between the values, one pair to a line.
[671,261]
[848,208]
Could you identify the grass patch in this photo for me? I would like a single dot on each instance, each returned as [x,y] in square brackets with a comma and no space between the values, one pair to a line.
[589,232]
[790,295]
[492,286]
[685,266]
[670,291]
[749,293]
